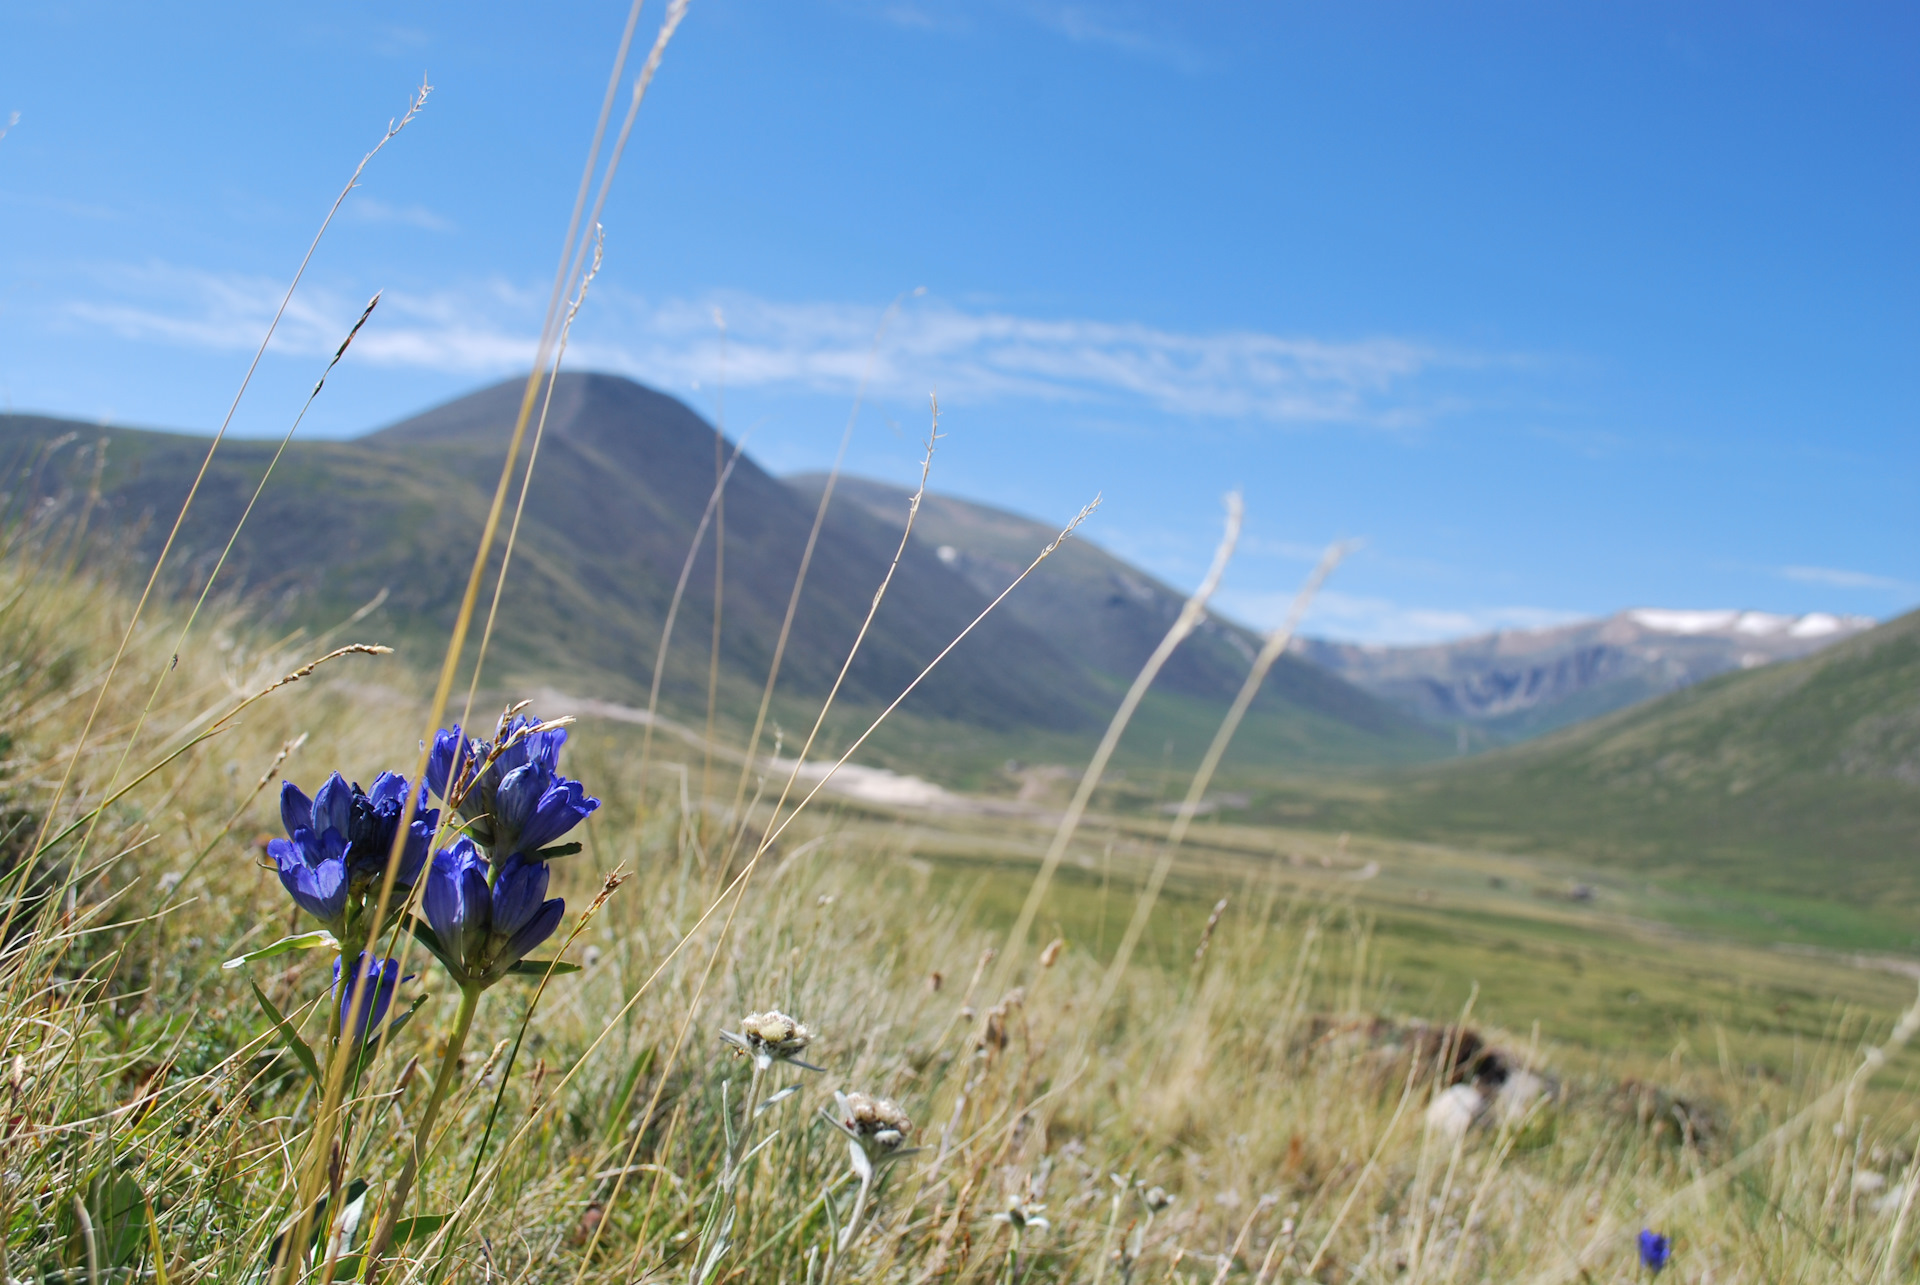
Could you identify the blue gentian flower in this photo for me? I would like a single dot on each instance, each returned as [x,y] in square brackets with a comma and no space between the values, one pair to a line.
[340,839]
[1655,1250]
[518,803]
[483,931]
[381,975]
[534,807]
[373,818]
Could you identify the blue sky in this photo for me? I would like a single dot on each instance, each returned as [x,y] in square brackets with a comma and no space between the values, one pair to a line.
[1564,308]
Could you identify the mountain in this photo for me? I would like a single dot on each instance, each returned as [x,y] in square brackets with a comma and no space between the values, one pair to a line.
[1518,683]
[1791,791]
[1113,614]
[624,474]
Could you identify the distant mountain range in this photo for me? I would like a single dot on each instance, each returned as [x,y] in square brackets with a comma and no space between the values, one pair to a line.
[1782,800]
[624,474]
[1515,684]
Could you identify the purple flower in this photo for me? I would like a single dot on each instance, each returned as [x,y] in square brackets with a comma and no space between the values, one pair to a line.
[483,931]
[339,842]
[519,802]
[381,975]
[1655,1250]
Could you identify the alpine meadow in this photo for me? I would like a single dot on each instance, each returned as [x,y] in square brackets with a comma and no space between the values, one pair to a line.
[548,838]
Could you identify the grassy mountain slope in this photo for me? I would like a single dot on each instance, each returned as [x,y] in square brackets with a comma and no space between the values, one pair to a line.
[1793,784]
[623,476]
[1113,614]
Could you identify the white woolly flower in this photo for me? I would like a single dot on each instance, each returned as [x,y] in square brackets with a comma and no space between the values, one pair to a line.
[771,1037]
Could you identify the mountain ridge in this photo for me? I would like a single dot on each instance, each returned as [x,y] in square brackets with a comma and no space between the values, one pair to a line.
[624,473]
[1513,684]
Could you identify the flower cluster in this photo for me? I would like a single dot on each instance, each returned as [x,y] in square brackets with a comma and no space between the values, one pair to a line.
[484,931]
[339,843]
[508,792]
[486,896]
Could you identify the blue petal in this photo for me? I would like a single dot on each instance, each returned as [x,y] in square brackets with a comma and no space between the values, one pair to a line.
[333,806]
[377,994]
[561,808]
[319,890]
[329,845]
[296,809]
[446,761]
[388,788]
[413,856]
[517,894]
[517,798]
[537,930]
[441,899]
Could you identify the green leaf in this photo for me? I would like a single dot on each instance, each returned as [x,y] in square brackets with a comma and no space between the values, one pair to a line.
[539,967]
[300,941]
[347,1266]
[364,1058]
[557,850]
[418,1228]
[117,1207]
[288,1036]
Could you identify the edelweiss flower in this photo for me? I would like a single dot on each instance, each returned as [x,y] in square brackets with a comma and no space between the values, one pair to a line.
[876,1128]
[1022,1215]
[771,1037]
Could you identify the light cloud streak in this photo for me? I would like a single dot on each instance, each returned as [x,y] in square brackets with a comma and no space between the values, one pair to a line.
[1358,618]
[1835,578]
[1384,382]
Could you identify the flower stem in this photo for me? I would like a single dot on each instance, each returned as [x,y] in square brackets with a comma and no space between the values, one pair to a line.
[423,1134]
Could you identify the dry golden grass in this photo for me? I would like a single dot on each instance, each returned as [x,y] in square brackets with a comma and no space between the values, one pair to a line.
[154,1127]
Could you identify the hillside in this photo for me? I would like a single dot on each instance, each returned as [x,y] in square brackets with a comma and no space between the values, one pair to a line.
[1787,787]
[1113,615]
[624,474]
[1508,686]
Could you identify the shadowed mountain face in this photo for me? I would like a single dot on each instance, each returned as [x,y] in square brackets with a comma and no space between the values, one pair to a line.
[1112,614]
[623,476]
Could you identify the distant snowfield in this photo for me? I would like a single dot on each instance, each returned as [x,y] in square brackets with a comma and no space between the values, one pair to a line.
[1752,624]
[875,785]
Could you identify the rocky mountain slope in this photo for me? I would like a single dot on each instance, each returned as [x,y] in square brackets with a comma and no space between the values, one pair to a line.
[1518,683]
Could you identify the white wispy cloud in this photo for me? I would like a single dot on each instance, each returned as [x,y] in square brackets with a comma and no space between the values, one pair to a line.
[371,209]
[1836,578]
[969,354]
[1358,618]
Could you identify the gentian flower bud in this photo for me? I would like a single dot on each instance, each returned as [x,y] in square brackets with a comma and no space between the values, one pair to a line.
[485,931]
[381,975]
[1655,1250]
